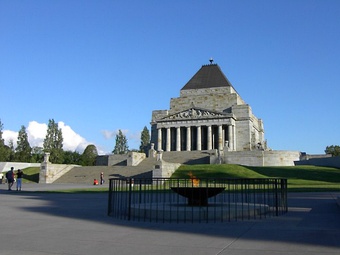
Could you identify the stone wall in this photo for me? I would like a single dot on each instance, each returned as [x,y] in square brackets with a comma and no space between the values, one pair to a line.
[243,135]
[112,160]
[134,158]
[6,166]
[164,169]
[215,102]
[326,161]
[50,172]
[129,159]
[261,158]
[102,160]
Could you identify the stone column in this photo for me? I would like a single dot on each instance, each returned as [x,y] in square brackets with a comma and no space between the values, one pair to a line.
[234,138]
[152,151]
[220,143]
[230,137]
[168,140]
[159,139]
[178,139]
[159,155]
[209,138]
[188,138]
[47,157]
[199,142]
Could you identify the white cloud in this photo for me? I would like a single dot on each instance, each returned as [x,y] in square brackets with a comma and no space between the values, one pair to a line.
[36,133]
[9,135]
[72,140]
[133,138]
[109,134]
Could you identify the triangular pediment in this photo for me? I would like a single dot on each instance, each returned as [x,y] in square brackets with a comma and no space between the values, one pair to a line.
[195,113]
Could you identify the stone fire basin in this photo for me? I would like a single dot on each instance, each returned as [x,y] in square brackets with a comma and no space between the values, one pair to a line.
[198,196]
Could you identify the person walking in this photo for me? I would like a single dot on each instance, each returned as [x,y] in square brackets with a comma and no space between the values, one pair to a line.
[10,178]
[20,174]
[102,178]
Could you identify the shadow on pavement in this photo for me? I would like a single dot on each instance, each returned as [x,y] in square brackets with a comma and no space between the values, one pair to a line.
[313,218]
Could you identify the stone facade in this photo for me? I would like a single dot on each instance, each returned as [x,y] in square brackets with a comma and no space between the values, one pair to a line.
[128,159]
[50,172]
[209,114]
[261,158]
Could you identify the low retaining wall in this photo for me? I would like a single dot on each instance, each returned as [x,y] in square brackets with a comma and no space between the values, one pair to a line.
[50,172]
[128,159]
[134,158]
[329,161]
[164,169]
[261,158]
[6,166]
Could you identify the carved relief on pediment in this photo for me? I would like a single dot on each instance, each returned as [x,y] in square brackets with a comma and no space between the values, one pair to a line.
[194,113]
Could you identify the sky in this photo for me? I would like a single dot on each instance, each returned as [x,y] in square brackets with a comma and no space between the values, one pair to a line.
[100,66]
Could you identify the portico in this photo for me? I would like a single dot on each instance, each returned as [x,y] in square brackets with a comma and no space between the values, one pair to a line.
[184,134]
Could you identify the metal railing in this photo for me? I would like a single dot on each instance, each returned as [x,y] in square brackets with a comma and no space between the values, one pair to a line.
[188,200]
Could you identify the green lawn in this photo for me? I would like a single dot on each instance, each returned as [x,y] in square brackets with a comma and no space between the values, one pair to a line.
[31,174]
[300,178]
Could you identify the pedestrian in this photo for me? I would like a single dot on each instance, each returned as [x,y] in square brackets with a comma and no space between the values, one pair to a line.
[20,174]
[10,178]
[102,178]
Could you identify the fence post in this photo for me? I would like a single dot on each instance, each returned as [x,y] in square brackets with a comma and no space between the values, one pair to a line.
[129,198]
[276,199]
[109,208]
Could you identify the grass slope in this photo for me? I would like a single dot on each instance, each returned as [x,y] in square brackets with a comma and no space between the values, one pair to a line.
[31,174]
[300,178]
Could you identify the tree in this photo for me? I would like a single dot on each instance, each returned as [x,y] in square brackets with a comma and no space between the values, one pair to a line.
[145,140]
[53,142]
[23,149]
[121,146]
[37,154]
[89,155]
[11,151]
[333,149]
[2,144]
[4,150]
[72,157]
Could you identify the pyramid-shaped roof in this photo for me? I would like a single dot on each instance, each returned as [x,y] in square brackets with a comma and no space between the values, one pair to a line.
[209,76]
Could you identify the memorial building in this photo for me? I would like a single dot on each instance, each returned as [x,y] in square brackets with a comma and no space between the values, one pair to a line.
[208,115]
[208,121]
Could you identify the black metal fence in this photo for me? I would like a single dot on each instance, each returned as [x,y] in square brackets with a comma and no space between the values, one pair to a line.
[192,200]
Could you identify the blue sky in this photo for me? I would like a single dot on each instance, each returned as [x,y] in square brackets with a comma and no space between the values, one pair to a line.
[100,66]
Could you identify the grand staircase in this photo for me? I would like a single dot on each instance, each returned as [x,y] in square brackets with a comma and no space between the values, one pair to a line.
[87,174]
[188,157]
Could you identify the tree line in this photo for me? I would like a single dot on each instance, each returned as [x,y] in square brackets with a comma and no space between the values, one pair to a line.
[334,150]
[53,143]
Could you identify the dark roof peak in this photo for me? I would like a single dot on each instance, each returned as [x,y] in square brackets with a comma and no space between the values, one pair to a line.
[210,65]
[209,76]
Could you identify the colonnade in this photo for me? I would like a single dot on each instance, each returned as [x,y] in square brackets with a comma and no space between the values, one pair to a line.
[191,138]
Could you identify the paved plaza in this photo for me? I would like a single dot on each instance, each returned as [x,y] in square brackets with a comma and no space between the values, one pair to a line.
[38,223]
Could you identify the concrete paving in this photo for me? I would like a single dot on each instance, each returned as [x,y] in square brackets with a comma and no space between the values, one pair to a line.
[70,224]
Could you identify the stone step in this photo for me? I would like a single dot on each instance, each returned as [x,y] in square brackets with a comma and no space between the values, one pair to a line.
[188,157]
[87,174]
